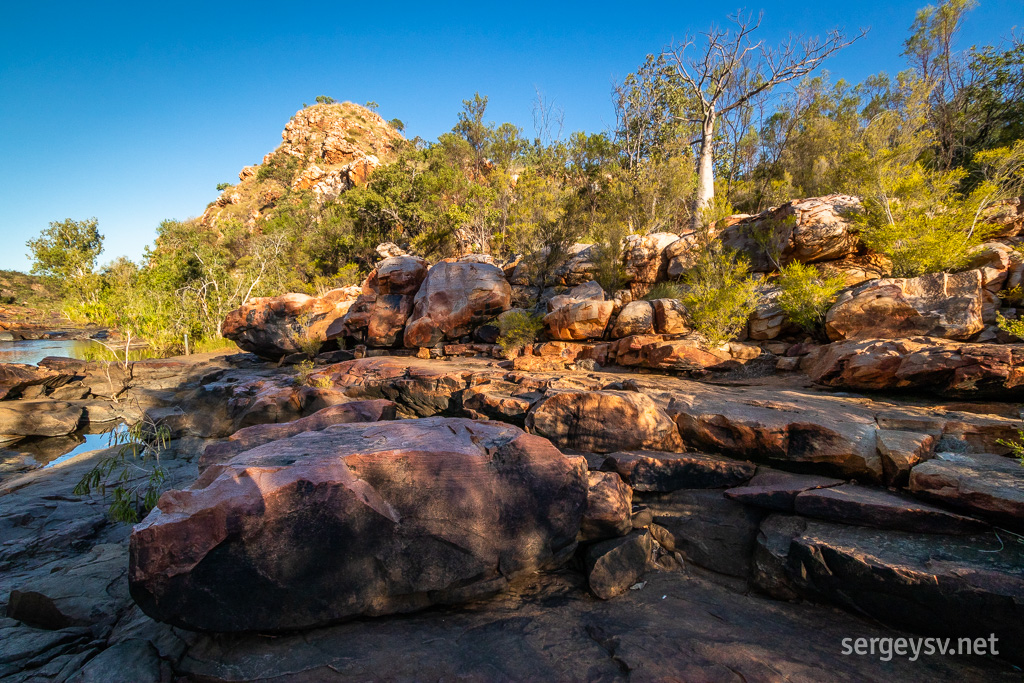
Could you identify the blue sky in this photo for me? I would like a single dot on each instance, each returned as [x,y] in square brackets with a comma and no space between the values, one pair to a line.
[133,112]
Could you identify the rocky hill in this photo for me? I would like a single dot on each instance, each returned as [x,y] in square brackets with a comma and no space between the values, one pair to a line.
[325,150]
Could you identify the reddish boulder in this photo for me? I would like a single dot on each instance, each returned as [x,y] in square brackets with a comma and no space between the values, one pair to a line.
[603,422]
[645,260]
[357,519]
[579,320]
[455,298]
[379,315]
[272,327]
[609,507]
[257,435]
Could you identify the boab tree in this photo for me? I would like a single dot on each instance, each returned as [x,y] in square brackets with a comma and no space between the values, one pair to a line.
[729,71]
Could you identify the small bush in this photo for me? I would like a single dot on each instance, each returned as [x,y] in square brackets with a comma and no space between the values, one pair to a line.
[324,99]
[133,474]
[665,290]
[720,295]
[305,339]
[1016,446]
[807,294]
[1014,327]
[223,186]
[517,329]
[281,167]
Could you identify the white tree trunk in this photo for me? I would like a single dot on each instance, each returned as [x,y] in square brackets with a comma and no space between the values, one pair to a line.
[705,169]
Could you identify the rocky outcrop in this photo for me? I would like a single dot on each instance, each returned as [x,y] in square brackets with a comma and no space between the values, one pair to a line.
[935,305]
[38,418]
[645,260]
[379,315]
[804,230]
[453,299]
[664,472]
[15,378]
[921,364]
[603,422]
[670,317]
[354,520]
[609,512]
[272,327]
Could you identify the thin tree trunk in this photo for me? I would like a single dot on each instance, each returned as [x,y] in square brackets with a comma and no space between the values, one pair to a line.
[705,169]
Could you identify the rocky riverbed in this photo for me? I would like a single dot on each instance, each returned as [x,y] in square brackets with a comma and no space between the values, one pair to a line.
[401,518]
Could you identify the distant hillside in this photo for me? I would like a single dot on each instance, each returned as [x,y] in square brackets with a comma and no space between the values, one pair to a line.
[325,150]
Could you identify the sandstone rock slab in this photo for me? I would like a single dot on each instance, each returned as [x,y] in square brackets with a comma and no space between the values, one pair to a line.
[357,519]
[453,299]
[658,471]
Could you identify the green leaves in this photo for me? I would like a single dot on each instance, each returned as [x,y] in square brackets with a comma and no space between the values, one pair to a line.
[807,294]
[132,475]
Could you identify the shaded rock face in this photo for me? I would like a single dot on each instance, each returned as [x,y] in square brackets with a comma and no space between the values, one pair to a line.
[272,327]
[16,377]
[579,320]
[988,485]
[39,418]
[455,298]
[609,507]
[944,367]
[804,230]
[603,422]
[379,315]
[357,519]
[933,305]
[969,586]
[615,565]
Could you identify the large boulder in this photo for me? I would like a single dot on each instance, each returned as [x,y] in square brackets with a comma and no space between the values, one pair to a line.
[357,519]
[645,260]
[454,298]
[921,364]
[636,317]
[603,422]
[379,315]
[579,320]
[272,327]
[804,230]
[933,305]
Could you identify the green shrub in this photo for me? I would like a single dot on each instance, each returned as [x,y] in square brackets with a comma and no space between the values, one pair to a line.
[223,186]
[807,294]
[324,99]
[133,474]
[281,167]
[307,341]
[1016,446]
[1014,327]
[665,290]
[517,329]
[719,293]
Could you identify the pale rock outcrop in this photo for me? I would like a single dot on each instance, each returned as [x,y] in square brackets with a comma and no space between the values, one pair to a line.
[603,422]
[455,298]
[934,305]
[636,317]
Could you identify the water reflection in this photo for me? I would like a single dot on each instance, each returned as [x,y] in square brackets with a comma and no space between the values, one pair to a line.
[31,351]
